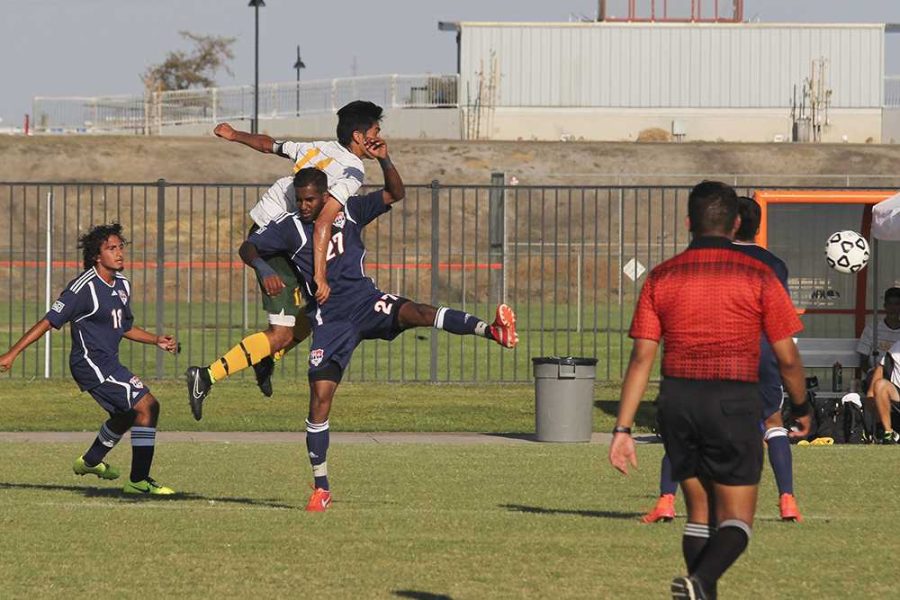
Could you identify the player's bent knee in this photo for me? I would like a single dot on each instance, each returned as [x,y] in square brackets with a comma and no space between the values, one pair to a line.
[775,432]
[279,337]
[413,314]
[147,406]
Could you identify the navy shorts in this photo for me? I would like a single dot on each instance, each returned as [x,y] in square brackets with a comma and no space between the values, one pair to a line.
[711,430]
[375,318]
[772,398]
[120,392]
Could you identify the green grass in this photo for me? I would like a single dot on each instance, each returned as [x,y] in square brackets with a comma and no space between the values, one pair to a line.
[57,405]
[529,521]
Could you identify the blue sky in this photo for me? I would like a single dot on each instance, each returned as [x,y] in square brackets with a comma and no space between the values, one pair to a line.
[97,47]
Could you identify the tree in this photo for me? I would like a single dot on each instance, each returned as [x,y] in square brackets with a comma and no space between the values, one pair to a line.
[182,70]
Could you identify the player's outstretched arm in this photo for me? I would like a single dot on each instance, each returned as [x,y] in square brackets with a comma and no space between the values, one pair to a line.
[621,450]
[394,190]
[321,237]
[272,282]
[36,332]
[142,336]
[257,141]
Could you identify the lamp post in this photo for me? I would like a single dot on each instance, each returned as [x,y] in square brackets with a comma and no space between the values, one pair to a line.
[254,124]
[298,65]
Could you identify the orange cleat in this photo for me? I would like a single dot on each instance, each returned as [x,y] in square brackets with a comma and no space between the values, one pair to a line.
[789,510]
[503,329]
[663,511]
[319,501]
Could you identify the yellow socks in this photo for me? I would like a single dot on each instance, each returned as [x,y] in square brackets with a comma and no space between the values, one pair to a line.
[249,351]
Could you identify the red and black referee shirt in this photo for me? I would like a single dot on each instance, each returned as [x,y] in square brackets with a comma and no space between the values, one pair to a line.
[709,305]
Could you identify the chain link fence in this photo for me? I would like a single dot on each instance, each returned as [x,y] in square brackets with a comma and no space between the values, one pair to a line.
[570,260]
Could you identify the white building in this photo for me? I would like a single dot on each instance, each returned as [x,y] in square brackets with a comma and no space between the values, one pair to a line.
[611,81]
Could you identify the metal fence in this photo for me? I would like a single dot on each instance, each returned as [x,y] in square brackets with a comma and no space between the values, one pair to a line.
[568,259]
[892,91]
[147,114]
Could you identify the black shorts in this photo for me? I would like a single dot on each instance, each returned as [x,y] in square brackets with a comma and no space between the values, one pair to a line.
[711,429]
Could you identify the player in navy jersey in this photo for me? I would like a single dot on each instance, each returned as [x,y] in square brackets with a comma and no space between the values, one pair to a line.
[356,309]
[776,435]
[97,305]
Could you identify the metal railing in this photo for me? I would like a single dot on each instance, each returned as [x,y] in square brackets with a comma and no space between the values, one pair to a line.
[568,259]
[147,114]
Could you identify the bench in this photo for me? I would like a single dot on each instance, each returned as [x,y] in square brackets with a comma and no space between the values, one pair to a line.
[823,353]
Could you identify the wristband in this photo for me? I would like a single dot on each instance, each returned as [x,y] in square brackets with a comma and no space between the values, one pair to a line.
[800,410]
[621,429]
[262,267]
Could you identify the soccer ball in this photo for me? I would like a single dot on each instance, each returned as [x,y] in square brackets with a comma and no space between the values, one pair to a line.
[847,252]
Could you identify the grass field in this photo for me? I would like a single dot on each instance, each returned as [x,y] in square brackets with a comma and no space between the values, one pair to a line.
[425,521]
[57,405]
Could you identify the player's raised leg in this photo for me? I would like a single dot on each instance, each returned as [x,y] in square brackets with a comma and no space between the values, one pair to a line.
[111,432]
[502,330]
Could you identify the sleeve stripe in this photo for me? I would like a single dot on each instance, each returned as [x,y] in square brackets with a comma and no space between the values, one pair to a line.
[79,283]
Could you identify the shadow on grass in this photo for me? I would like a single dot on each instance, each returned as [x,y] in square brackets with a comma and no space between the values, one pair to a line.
[417,595]
[645,417]
[116,492]
[598,514]
[527,437]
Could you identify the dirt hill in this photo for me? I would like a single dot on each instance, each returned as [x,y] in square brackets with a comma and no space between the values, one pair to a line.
[208,159]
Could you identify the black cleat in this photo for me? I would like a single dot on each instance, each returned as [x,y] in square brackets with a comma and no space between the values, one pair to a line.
[264,370]
[687,588]
[198,384]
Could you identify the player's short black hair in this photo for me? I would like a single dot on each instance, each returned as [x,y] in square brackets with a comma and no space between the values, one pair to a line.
[359,115]
[712,208]
[891,292]
[311,176]
[751,215]
[91,241]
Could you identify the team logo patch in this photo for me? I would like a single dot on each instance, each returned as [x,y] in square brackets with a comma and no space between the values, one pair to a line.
[339,220]
[57,306]
[123,296]
[136,383]
[316,356]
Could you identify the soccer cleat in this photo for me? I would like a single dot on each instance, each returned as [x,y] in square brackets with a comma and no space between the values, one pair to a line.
[264,370]
[789,510]
[687,588]
[319,501]
[663,511]
[147,487]
[102,470]
[890,437]
[503,329]
[198,384]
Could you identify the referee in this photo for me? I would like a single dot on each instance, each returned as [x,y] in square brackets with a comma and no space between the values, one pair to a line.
[710,305]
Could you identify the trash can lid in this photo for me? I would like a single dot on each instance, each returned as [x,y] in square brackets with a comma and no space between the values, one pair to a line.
[564,360]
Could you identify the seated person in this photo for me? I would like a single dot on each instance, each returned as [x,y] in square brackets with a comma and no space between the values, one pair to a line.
[888,331]
[885,389]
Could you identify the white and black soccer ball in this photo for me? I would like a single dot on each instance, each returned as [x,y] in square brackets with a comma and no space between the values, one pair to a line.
[846,251]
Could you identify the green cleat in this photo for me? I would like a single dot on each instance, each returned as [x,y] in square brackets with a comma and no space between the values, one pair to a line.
[147,487]
[102,470]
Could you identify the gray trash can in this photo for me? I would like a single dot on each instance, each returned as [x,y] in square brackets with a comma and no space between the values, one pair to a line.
[564,398]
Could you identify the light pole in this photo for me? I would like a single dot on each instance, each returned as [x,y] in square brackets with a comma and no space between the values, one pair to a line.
[298,65]
[254,124]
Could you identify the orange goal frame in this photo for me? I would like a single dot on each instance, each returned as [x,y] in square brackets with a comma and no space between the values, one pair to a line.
[865,197]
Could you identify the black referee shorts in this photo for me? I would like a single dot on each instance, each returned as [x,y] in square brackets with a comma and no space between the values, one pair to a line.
[711,429]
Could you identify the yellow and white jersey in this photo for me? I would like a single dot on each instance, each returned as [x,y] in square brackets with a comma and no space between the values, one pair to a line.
[275,201]
[344,169]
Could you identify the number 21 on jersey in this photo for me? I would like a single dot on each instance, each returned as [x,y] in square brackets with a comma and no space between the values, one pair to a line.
[386,304]
[335,246]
